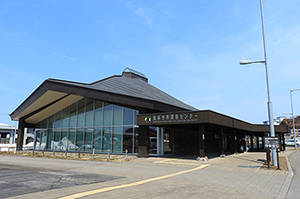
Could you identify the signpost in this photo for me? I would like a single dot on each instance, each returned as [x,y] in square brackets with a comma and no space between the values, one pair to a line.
[271,143]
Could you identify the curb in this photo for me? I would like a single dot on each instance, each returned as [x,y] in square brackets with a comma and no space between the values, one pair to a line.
[286,185]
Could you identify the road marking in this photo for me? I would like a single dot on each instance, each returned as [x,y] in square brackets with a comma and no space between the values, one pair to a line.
[87,193]
[170,161]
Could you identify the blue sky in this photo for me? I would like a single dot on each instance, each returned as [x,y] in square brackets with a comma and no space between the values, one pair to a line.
[189,49]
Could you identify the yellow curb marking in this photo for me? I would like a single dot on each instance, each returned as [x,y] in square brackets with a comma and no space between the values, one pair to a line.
[87,193]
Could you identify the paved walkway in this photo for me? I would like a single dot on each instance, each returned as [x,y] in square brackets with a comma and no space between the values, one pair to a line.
[293,191]
[235,176]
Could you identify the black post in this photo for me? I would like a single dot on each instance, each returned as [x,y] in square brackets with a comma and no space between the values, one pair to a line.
[20,138]
[277,159]
[143,148]
[245,143]
[251,139]
[201,141]
[221,141]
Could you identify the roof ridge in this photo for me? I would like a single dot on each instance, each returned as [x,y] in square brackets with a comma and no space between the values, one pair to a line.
[104,79]
[67,81]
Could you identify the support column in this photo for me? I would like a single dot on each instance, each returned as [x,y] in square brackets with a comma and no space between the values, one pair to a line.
[283,142]
[257,142]
[21,129]
[201,141]
[160,141]
[263,141]
[234,142]
[251,140]
[143,148]
[245,143]
[221,142]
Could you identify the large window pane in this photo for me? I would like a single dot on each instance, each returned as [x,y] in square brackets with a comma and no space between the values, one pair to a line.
[117,139]
[79,139]
[57,120]
[107,114]
[98,113]
[98,140]
[128,116]
[44,124]
[88,143]
[50,139]
[64,139]
[51,122]
[128,139]
[37,140]
[65,117]
[135,113]
[57,139]
[118,115]
[43,139]
[89,112]
[73,112]
[106,138]
[80,114]
[72,140]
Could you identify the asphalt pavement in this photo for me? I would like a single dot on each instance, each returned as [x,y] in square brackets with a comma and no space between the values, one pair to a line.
[234,176]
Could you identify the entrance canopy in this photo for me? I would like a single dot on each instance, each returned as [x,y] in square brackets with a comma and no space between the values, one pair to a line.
[192,119]
[205,131]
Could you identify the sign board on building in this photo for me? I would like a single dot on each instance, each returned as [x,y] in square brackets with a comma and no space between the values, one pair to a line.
[172,118]
[271,142]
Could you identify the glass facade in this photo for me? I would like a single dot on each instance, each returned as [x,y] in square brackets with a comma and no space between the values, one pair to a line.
[89,124]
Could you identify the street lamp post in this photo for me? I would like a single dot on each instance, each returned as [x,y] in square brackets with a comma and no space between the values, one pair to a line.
[292,109]
[270,109]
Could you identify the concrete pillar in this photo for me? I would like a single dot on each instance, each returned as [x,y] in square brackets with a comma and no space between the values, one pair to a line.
[20,138]
[160,141]
[201,141]
[221,141]
[143,148]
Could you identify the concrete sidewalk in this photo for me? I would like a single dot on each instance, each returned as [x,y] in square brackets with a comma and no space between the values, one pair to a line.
[235,176]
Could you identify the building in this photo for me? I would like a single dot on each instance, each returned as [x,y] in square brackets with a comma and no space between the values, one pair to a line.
[289,123]
[7,134]
[125,112]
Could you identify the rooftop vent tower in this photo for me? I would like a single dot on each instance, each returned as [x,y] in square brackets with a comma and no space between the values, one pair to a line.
[130,73]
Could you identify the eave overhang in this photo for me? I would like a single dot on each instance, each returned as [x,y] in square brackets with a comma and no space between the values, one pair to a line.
[52,96]
[194,118]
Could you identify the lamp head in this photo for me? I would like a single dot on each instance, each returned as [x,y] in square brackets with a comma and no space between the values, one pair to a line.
[245,62]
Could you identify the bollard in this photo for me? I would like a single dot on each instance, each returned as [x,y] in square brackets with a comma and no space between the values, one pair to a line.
[78,152]
[108,154]
[15,152]
[43,151]
[93,153]
[126,157]
[278,159]
[53,151]
[66,153]
[8,150]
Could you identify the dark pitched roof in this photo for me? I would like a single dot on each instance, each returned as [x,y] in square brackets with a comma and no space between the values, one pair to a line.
[133,87]
[129,90]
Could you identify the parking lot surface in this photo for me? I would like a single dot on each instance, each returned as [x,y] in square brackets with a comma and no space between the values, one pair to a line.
[235,176]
